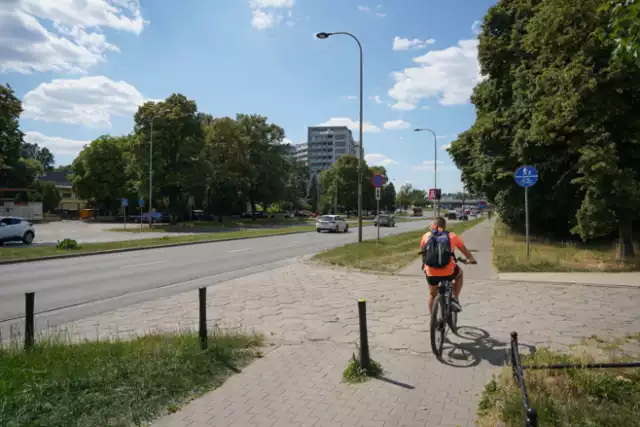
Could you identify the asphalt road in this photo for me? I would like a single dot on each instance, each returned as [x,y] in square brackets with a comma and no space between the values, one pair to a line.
[74,288]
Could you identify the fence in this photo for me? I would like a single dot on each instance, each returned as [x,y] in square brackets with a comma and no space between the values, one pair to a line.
[531,415]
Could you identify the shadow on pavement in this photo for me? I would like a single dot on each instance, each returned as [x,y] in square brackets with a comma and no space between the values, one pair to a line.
[475,346]
[394,382]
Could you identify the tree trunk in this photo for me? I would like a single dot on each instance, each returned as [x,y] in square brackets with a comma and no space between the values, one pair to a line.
[625,241]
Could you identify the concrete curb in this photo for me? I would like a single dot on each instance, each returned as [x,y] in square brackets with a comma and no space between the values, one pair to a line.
[140,248]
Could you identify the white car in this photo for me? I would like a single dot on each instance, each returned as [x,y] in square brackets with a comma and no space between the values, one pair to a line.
[14,229]
[331,223]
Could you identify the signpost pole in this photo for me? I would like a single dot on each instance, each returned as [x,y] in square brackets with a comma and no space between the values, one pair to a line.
[526,217]
[125,217]
[378,210]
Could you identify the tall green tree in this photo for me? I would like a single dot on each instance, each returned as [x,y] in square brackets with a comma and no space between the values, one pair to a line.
[100,172]
[11,169]
[403,197]
[554,97]
[342,180]
[178,140]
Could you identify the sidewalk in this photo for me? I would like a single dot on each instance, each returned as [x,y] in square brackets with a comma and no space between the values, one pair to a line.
[308,315]
[479,241]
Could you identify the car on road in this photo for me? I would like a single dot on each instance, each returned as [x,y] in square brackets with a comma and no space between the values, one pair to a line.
[13,229]
[456,215]
[331,223]
[385,220]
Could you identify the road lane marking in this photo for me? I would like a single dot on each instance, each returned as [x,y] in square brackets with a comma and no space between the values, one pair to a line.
[142,265]
[240,250]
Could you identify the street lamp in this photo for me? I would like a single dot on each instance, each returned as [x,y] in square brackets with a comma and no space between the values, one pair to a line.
[435,166]
[323,36]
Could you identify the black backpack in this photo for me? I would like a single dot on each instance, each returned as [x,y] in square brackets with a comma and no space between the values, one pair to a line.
[437,251]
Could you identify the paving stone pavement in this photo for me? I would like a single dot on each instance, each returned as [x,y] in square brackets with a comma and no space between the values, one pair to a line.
[309,313]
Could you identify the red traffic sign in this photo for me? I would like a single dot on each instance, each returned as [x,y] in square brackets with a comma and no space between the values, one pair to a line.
[377,180]
[435,194]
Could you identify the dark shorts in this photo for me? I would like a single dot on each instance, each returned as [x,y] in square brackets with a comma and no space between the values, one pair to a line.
[435,280]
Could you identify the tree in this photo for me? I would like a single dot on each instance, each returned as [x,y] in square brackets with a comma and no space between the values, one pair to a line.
[404,196]
[11,170]
[623,19]
[47,193]
[41,154]
[388,197]
[342,180]
[178,140]
[554,97]
[100,172]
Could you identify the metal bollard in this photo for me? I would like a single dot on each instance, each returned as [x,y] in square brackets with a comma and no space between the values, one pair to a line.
[202,293]
[29,327]
[365,360]
[532,418]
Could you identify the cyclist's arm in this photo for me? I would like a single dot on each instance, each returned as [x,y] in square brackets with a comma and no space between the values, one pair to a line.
[459,244]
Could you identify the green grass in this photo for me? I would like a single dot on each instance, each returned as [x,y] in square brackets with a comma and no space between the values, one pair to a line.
[390,255]
[354,373]
[578,397]
[114,383]
[31,252]
[509,255]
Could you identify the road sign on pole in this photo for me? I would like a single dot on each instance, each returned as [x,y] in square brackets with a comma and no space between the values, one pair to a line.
[124,202]
[378,191]
[526,176]
[377,180]
[141,203]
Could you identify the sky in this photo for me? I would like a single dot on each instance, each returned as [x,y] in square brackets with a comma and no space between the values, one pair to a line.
[82,68]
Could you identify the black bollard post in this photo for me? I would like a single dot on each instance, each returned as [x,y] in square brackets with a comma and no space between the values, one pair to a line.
[202,293]
[365,361]
[532,418]
[29,327]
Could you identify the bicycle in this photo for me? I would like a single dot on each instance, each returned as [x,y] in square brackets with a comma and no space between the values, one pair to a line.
[442,303]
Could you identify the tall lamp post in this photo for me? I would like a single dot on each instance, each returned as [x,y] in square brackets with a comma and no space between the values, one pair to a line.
[323,36]
[435,167]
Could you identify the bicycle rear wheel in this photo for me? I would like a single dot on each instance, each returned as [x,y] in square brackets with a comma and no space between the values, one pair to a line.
[438,326]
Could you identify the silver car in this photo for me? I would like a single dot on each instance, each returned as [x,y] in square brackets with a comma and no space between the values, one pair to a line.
[332,223]
[14,229]
[385,220]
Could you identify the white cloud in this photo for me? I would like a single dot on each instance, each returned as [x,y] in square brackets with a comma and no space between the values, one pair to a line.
[287,141]
[380,14]
[401,43]
[396,124]
[379,160]
[450,74]
[446,147]
[364,8]
[65,44]
[262,19]
[425,107]
[476,27]
[367,127]
[350,97]
[58,146]
[367,9]
[89,101]
[376,99]
[405,106]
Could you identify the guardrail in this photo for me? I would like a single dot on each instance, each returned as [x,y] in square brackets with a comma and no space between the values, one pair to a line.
[531,415]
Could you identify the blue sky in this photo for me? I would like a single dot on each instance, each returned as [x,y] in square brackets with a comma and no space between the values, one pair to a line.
[82,67]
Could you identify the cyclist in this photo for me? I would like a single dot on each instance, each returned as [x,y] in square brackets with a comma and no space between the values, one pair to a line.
[450,271]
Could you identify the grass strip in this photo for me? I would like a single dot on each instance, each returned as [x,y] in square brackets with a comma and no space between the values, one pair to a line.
[8,253]
[390,255]
[510,254]
[116,382]
[577,397]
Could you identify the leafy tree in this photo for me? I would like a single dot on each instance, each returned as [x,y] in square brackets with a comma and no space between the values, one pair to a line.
[553,97]
[388,197]
[342,179]
[404,196]
[11,170]
[99,172]
[47,193]
[178,140]
[623,17]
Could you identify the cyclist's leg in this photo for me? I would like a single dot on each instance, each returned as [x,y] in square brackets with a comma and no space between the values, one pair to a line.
[457,282]
[433,291]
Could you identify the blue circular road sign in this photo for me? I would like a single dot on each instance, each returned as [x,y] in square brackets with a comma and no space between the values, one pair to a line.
[378,180]
[526,176]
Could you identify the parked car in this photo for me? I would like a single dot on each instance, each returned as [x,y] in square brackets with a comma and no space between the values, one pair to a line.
[13,229]
[456,215]
[155,217]
[385,220]
[331,223]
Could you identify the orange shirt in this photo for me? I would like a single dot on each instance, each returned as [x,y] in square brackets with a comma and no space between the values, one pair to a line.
[456,242]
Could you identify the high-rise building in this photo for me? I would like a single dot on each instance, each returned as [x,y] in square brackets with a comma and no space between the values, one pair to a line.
[325,144]
[301,154]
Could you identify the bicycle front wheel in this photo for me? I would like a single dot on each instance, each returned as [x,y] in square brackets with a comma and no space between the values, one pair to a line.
[438,326]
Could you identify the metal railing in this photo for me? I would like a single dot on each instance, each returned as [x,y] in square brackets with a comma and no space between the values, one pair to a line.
[531,414]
